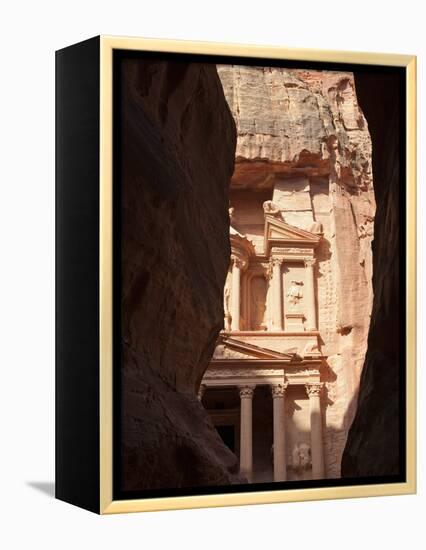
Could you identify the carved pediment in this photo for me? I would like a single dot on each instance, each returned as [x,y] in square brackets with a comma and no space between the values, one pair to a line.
[280,233]
[231,348]
[223,352]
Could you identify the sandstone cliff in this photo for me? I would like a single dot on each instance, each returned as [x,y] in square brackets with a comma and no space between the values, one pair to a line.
[178,146]
[303,135]
[373,442]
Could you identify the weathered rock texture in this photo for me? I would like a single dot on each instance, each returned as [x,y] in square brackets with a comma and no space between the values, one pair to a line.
[303,137]
[373,442]
[178,148]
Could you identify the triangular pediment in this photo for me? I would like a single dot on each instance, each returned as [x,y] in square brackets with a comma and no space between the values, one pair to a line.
[280,232]
[231,348]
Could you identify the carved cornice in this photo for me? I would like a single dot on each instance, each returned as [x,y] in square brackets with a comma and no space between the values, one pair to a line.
[278,390]
[246,392]
[212,374]
[291,251]
[314,389]
[312,372]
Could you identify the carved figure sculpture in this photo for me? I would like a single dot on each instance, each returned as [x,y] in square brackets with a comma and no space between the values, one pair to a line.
[294,293]
[301,457]
[270,208]
[258,302]
[226,298]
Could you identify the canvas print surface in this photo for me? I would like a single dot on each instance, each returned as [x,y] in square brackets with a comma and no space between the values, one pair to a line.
[258,340]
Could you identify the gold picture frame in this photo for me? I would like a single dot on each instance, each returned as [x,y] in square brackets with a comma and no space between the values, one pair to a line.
[107,45]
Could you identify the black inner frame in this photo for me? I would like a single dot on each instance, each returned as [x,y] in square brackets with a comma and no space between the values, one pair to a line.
[118,493]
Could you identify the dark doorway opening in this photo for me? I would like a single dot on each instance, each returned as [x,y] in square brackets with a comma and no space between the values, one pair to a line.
[227,433]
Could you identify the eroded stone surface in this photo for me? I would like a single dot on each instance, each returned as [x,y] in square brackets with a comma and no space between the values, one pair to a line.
[178,144]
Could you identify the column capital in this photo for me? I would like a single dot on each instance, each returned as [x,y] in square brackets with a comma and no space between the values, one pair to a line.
[237,262]
[309,262]
[314,389]
[278,390]
[246,391]
[276,261]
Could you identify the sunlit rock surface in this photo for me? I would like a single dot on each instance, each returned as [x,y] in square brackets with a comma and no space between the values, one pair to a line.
[303,143]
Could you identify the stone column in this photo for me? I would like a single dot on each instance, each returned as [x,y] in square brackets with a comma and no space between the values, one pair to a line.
[280,467]
[246,432]
[311,316]
[201,392]
[277,295]
[235,293]
[314,393]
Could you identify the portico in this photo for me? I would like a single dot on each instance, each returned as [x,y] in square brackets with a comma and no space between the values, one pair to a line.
[245,368]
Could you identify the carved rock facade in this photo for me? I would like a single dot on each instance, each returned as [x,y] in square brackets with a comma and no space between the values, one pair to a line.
[302,208]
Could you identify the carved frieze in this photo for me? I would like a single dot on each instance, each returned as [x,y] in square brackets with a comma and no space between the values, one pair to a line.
[213,373]
[252,372]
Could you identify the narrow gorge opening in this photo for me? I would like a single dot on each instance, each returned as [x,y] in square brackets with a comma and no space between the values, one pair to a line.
[248,201]
[298,294]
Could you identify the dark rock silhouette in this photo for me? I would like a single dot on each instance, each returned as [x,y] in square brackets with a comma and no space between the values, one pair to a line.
[372,446]
[178,145]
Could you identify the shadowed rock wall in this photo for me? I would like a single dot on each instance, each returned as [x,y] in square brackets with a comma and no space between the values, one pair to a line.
[178,147]
[373,442]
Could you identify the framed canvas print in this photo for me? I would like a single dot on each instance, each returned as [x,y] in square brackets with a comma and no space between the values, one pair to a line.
[235,281]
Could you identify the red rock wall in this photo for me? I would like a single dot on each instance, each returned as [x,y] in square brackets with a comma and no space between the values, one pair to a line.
[307,125]
[178,146]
